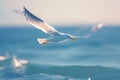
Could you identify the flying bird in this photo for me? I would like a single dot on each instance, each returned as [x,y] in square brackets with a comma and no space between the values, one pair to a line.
[55,36]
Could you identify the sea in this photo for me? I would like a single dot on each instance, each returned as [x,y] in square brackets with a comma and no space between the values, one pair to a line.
[94,58]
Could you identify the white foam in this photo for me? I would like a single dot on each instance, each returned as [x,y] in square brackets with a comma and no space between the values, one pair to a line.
[18,63]
[89,78]
[2,58]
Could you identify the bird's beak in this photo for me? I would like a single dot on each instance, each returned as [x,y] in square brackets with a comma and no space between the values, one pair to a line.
[73,38]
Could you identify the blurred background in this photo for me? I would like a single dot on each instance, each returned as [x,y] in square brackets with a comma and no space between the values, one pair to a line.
[62,11]
[94,58]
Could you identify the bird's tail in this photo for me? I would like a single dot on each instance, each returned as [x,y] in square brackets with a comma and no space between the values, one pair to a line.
[42,41]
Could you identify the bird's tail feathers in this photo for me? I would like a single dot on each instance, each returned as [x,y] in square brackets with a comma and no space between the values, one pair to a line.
[42,41]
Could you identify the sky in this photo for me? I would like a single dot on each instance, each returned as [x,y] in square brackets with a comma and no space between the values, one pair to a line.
[62,11]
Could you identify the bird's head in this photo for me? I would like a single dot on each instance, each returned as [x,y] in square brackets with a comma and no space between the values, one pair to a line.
[72,37]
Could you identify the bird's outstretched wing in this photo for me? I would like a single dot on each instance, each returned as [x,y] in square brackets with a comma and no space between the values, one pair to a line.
[38,23]
[93,30]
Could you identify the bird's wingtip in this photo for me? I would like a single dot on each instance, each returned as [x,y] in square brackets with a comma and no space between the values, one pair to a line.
[24,8]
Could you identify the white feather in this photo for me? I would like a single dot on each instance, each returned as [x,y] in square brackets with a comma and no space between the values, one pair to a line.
[37,22]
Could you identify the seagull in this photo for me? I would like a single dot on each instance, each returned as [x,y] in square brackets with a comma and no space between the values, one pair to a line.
[55,36]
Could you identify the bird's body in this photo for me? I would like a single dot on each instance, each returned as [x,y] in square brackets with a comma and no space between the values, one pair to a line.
[58,37]
[55,36]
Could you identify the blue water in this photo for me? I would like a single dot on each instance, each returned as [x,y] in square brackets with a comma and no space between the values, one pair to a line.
[97,58]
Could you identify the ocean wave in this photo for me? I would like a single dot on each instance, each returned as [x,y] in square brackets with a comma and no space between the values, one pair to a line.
[13,68]
[43,76]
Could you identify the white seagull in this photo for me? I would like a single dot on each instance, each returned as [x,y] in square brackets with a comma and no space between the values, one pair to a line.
[56,36]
